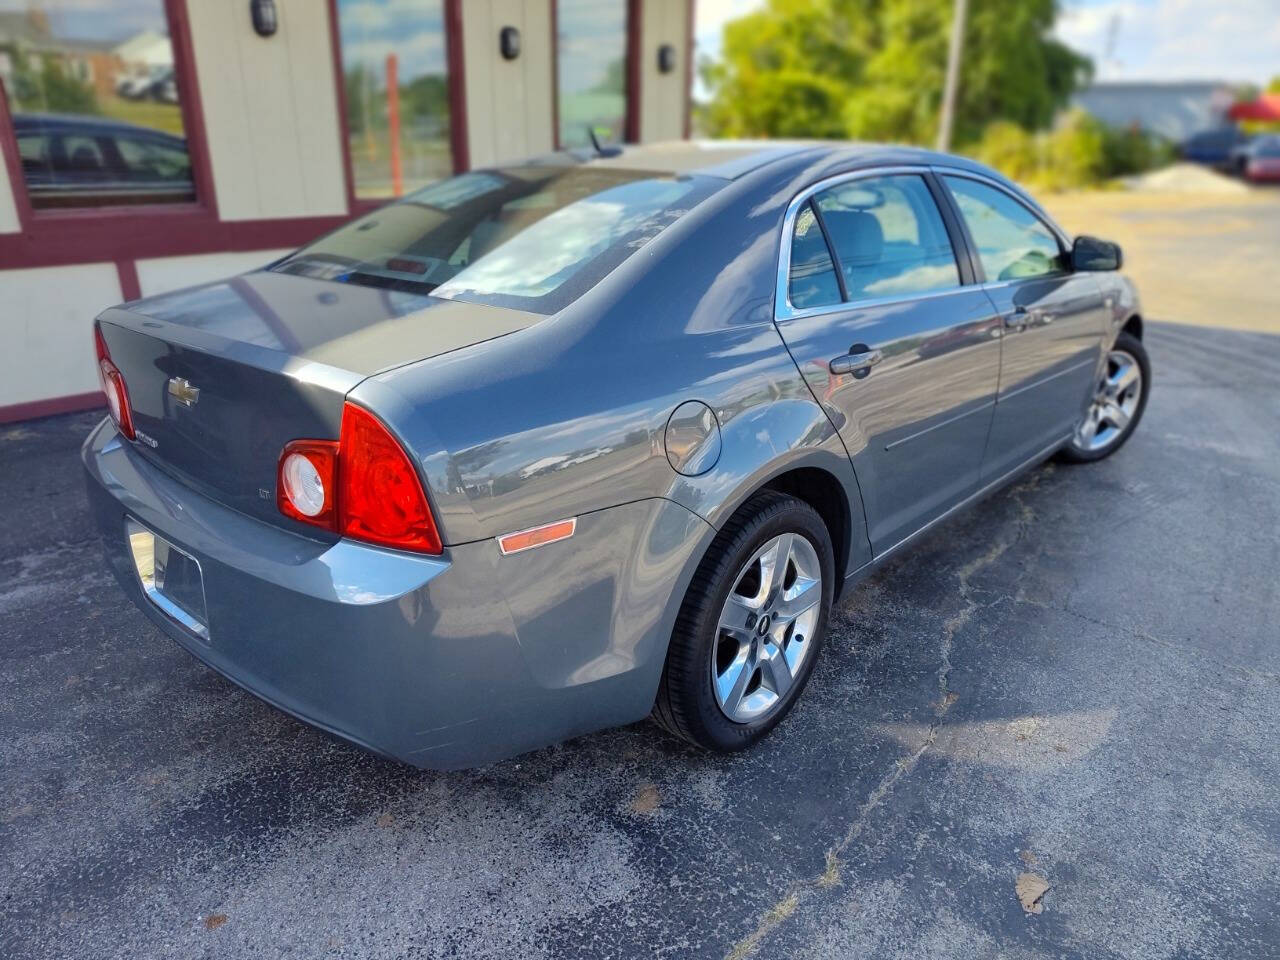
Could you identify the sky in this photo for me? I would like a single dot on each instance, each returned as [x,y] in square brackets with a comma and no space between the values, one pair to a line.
[1233,40]
[96,20]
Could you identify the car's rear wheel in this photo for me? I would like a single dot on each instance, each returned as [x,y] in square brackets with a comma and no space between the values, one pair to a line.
[1118,402]
[750,627]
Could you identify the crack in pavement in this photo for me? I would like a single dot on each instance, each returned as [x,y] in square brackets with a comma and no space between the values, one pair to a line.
[830,876]
[1174,645]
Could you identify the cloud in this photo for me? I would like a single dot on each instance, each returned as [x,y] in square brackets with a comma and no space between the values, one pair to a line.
[710,16]
[1232,40]
[103,21]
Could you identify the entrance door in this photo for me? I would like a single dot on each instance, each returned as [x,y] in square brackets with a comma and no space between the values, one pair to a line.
[902,354]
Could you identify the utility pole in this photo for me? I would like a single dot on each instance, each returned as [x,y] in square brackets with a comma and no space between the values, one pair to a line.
[954,53]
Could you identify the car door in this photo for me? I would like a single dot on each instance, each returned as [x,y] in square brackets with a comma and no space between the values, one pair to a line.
[897,343]
[1054,321]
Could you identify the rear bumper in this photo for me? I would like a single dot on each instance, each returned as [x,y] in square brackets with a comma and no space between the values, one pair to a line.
[439,662]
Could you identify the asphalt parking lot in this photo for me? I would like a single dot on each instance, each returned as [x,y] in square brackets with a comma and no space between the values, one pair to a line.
[1078,679]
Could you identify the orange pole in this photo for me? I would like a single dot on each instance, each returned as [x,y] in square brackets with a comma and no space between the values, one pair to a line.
[393,124]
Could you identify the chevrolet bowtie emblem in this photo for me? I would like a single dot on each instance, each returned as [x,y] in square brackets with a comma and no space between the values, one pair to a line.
[182,391]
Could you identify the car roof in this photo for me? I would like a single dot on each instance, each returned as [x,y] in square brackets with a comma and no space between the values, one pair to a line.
[727,159]
[731,159]
[80,122]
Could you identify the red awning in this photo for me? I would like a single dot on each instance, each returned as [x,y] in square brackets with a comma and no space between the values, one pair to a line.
[1266,107]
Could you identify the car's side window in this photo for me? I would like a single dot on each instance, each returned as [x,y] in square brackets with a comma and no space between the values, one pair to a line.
[813,281]
[34,151]
[888,236]
[80,155]
[1013,243]
[146,160]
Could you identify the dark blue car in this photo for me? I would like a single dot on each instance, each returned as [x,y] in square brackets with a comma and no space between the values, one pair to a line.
[81,161]
[1213,148]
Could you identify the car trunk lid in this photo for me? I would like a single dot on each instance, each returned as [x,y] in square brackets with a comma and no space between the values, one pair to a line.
[221,377]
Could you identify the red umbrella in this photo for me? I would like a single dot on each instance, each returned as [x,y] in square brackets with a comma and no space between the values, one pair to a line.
[1266,107]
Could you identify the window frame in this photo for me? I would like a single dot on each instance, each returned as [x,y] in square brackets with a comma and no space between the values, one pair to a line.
[631,75]
[68,233]
[455,83]
[1026,202]
[960,244]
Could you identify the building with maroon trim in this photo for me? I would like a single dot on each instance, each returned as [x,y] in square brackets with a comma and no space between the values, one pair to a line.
[149,145]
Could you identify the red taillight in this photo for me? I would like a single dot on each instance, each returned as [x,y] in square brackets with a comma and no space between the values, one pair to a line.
[381,498]
[364,486]
[112,381]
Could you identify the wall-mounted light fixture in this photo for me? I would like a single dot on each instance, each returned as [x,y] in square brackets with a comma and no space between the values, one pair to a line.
[666,58]
[509,43]
[265,18]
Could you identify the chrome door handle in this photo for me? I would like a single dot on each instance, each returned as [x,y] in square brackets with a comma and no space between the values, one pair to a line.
[856,362]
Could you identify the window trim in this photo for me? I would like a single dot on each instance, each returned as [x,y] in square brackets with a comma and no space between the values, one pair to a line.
[57,223]
[1026,202]
[782,306]
[633,72]
[841,283]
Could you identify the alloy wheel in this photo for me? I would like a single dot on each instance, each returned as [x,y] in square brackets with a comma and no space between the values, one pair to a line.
[1115,401]
[765,627]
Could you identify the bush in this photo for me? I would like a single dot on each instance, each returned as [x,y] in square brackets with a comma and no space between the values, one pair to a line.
[52,88]
[1079,152]
[1134,151]
[1010,149]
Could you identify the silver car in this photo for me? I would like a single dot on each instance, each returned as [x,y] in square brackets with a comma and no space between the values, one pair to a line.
[543,449]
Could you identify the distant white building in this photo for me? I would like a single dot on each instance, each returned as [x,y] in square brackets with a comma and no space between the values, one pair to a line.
[1175,111]
[147,49]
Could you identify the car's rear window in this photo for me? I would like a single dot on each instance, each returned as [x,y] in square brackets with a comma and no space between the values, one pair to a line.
[534,238]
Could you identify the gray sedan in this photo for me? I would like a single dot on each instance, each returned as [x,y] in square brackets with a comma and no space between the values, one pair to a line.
[548,448]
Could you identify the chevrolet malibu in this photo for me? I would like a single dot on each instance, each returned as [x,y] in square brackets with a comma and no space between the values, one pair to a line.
[548,448]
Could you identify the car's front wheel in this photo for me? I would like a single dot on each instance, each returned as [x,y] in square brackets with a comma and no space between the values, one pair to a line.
[1119,400]
[751,625]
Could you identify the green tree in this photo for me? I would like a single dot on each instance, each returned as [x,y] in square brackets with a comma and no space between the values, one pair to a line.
[874,69]
[47,85]
[1274,85]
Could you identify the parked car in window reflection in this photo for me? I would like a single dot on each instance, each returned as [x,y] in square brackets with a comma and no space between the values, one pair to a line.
[79,161]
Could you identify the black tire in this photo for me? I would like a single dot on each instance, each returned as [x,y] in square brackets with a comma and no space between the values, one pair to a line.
[1073,452]
[686,704]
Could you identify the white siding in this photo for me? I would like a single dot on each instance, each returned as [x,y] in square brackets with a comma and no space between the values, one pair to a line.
[508,101]
[49,314]
[270,110]
[8,212]
[662,95]
[173,273]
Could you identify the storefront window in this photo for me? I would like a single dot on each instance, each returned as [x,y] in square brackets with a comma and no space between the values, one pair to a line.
[591,81]
[397,90]
[95,102]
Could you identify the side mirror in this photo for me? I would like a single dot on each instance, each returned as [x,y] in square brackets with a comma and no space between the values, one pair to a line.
[1092,254]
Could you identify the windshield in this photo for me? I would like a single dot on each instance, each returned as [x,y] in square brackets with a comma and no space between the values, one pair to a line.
[533,238]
